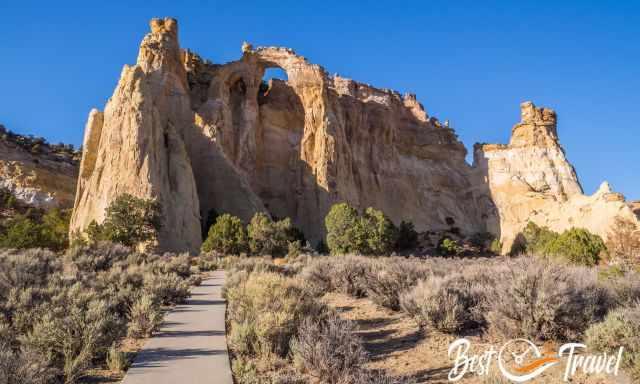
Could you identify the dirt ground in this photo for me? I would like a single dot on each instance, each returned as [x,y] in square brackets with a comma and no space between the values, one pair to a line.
[397,345]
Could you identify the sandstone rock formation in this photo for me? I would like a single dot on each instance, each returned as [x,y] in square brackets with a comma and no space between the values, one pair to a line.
[203,137]
[531,180]
[137,145]
[38,174]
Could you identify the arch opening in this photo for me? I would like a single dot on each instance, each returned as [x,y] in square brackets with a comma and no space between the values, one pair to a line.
[270,74]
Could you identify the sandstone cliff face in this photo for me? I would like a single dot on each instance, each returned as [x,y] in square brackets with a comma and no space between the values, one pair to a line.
[37,173]
[531,180]
[203,137]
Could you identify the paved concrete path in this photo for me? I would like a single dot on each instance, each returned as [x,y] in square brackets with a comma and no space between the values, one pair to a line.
[190,347]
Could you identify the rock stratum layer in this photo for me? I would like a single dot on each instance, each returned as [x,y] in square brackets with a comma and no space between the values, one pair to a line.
[36,173]
[203,137]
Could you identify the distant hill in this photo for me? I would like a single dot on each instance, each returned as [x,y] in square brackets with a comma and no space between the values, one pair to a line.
[37,173]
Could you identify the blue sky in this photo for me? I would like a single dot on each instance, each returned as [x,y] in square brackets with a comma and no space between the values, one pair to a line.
[468,61]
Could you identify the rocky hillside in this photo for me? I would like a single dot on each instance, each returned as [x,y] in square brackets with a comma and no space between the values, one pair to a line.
[37,173]
[204,137]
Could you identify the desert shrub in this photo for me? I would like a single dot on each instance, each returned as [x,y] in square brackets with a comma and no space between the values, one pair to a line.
[226,236]
[349,274]
[317,275]
[577,246]
[27,269]
[537,239]
[72,330]
[268,237]
[448,247]
[381,280]
[21,232]
[62,322]
[449,304]
[256,264]
[97,257]
[265,311]
[36,229]
[144,316]
[166,288]
[621,328]
[534,299]
[245,370]
[54,229]
[206,264]
[116,359]
[386,280]
[328,350]
[363,376]
[194,280]
[343,231]
[407,236]
[294,249]
[495,247]
[176,264]
[623,243]
[23,366]
[371,233]
[624,288]
[381,234]
[129,220]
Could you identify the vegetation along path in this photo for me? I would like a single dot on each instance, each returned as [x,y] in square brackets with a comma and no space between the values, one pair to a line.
[190,346]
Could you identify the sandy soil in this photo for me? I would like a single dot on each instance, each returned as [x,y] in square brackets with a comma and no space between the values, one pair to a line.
[397,345]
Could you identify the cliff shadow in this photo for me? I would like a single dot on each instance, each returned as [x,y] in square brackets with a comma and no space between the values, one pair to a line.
[482,194]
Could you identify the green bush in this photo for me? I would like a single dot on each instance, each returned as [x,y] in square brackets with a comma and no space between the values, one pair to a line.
[268,237]
[21,232]
[448,247]
[496,246]
[47,231]
[343,229]
[577,246]
[381,234]
[537,240]
[226,236]
[55,229]
[129,221]
[369,234]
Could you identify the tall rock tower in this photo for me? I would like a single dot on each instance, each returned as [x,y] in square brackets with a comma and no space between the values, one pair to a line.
[137,145]
[530,179]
